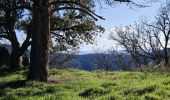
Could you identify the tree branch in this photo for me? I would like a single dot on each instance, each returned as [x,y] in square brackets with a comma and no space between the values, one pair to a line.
[4,36]
[82,8]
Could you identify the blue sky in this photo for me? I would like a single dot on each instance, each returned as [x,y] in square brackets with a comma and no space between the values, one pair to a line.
[116,16]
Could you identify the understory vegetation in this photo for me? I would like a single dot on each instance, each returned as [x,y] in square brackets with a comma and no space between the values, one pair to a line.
[74,84]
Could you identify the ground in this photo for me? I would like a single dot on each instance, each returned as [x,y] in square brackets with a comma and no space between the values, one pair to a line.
[74,84]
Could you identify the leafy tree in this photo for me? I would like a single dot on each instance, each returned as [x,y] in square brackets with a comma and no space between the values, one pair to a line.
[70,32]
[12,16]
[59,32]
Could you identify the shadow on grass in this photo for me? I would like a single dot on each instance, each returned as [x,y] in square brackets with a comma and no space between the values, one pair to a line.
[2,93]
[93,92]
[5,71]
[21,84]
[148,89]
[13,84]
[48,90]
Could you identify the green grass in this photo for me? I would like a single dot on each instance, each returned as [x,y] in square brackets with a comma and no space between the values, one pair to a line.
[74,84]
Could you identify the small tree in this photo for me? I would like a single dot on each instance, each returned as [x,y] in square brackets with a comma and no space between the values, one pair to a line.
[60,58]
[102,60]
[147,41]
[11,20]
[122,59]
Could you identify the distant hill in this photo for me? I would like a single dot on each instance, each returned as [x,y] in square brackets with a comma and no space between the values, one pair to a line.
[85,61]
[81,61]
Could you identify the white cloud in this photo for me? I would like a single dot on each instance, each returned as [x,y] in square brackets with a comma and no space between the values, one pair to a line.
[102,42]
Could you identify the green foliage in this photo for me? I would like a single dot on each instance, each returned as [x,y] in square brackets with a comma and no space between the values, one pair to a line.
[74,84]
[71,27]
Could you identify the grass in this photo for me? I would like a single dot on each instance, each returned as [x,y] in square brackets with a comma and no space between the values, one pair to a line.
[74,84]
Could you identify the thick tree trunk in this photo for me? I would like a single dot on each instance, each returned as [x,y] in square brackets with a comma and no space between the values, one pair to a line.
[40,42]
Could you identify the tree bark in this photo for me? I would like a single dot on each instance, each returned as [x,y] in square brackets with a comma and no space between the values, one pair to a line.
[4,56]
[166,57]
[14,58]
[40,42]
[17,52]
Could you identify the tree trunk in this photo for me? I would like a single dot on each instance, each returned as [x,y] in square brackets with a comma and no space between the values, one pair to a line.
[4,56]
[14,61]
[40,42]
[166,57]
[14,58]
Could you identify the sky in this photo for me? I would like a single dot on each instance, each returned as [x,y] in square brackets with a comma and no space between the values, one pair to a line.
[116,16]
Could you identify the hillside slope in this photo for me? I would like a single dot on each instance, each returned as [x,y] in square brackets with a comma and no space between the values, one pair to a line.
[73,84]
[86,61]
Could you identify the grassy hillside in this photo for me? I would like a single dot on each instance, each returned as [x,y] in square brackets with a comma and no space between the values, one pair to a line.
[72,84]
